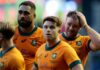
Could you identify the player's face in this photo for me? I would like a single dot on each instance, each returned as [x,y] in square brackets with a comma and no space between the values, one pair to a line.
[50,30]
[25,16]
[72,27]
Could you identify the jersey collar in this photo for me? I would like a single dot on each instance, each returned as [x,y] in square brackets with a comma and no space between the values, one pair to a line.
[50,48]
[2,53]
[69,39]
[27,34]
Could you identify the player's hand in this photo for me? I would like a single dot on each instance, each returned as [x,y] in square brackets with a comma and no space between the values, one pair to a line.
[83,21]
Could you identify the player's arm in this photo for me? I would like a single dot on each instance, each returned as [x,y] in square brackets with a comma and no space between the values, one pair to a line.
[72,59]
[94,36]
[78,67]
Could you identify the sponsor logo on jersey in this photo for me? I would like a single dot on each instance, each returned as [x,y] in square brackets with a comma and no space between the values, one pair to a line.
[78,43]
[34,43]
[54,55]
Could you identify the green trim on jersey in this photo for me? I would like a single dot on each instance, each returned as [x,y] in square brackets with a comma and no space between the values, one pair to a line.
[3,53]
[50,48]
[74,63]
[69,39]
[88,45]
[27,34]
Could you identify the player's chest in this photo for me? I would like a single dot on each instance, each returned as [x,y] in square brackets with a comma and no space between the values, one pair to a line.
[23,40]
[77,45]
[28,45]
[50,59]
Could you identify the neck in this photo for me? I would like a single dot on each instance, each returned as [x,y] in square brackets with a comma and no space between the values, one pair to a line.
[7,44]
[53,42]
[70,37]
[28,29]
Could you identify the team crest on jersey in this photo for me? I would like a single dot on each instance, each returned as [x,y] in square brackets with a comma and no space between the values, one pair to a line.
[1,64]
[78,43]
[34,42]
[54,55]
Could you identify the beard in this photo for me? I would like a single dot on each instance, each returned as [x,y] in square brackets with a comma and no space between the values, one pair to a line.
[24,23]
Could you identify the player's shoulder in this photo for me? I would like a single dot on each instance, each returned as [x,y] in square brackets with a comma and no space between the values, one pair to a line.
[16,54]
[83,37]
[13,54]
[15,51]
[66,46]
[17,30]
[42,47]
[38,28]
[39,31]
[63,43]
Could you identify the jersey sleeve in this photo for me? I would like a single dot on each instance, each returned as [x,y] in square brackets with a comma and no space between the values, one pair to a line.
[87,41]
[71,57]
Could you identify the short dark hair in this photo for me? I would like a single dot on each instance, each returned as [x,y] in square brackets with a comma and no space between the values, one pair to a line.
[71,13]
[28,3]
[53,19]
[7,30]
[74,15]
